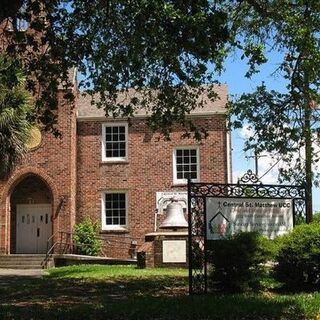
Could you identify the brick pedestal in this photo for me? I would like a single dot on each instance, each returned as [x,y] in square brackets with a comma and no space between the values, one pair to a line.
[165,249]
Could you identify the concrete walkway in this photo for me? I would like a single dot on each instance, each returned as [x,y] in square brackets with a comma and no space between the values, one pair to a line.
[23,273]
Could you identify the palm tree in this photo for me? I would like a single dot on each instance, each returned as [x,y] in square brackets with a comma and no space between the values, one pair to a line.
[15,114]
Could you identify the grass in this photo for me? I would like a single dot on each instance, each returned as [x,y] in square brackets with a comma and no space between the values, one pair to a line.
[128,272]
[124,292]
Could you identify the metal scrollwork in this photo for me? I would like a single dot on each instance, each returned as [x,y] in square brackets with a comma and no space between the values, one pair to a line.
[249,177]
[249,186]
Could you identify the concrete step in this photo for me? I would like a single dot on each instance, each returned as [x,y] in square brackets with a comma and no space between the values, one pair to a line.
[21,266]
[22,261]
[11,258]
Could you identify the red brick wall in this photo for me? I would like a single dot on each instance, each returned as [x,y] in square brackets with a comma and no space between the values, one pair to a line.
[72,169]
[53,162]
[149,170]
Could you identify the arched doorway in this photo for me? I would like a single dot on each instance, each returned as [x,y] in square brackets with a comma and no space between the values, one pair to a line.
[31,216]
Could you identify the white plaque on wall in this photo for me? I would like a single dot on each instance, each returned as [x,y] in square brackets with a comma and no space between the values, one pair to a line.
[164,198]
[174,251]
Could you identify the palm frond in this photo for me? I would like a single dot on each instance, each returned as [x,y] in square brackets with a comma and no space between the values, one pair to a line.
[15,113]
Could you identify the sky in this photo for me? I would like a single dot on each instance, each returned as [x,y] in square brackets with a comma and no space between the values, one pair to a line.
[237,84]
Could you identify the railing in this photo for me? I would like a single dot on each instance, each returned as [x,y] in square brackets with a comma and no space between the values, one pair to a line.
[64,244]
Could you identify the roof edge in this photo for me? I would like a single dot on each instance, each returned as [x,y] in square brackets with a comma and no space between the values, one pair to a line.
[99,118]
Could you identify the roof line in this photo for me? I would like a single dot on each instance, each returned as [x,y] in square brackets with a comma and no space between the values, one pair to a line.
[101,118]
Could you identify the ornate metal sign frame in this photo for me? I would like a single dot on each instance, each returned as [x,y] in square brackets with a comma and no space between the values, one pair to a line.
[249,186]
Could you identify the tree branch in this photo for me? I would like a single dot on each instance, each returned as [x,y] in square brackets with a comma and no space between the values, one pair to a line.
[260,8]
[9,8]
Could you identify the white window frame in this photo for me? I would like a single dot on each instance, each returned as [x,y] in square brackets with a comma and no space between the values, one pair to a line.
[22,25]
[184,181]
[104,225]
[114,124]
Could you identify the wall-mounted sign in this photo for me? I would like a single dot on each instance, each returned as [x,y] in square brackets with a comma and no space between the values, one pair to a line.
[226,216]
[164,198]
[174,251]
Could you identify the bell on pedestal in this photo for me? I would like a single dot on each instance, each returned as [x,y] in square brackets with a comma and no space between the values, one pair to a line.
[174,218]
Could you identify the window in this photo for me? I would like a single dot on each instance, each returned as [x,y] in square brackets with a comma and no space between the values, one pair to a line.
[114,142]
[21,23]
[185,164]
[114,210]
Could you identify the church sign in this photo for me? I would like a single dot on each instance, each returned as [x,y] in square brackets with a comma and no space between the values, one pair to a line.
[226,216]
[218,210]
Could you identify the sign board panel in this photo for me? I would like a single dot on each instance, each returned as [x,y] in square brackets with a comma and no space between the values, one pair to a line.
[164,198]
[270,217]
[174,251]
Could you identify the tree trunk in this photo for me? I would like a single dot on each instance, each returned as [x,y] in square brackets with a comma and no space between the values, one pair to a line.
[308,151]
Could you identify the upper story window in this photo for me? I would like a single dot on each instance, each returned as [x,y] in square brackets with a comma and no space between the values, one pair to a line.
[114,142]
[186,164]
[21,24]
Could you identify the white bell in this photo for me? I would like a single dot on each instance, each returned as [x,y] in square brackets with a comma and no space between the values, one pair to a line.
[174,217]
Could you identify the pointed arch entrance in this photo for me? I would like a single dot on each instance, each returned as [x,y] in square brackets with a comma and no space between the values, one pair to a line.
[31,204]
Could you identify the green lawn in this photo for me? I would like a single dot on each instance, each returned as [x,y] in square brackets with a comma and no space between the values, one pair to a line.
[124,292]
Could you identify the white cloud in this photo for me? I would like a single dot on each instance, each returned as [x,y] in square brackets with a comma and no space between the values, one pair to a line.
[268,168]
[241,164]
[246,132]
[265,163]
[269,164]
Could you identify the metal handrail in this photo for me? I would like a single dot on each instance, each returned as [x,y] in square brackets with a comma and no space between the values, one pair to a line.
[71,247]
[50,250]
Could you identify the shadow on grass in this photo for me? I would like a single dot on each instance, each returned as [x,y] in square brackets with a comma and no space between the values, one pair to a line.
[156,298]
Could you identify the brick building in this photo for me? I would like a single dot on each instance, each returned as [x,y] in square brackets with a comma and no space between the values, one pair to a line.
[118,174]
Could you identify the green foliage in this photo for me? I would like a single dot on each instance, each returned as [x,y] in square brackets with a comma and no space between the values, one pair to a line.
[172,45]
[16,113]
[274,247]
[237,262]
[281,122]
[85,238]
[169,47]
[316,217]
[298,260]
[300,220]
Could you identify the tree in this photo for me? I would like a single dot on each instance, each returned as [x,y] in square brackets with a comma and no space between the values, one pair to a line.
[16,113]
[9,8]
[283,122]
[166,50]
[159,48]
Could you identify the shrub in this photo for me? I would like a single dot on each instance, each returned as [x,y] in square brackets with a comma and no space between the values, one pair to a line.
[298,260]
[85,238]
[238,262]
[300,220]
[316,217]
